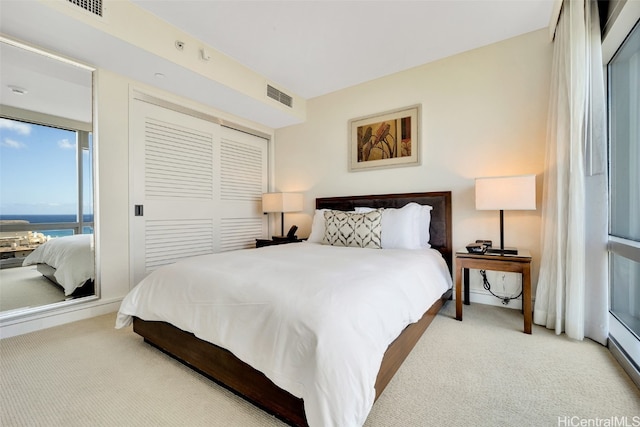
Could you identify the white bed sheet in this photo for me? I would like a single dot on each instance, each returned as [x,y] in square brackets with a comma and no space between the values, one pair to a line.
[71,256]
[315,319]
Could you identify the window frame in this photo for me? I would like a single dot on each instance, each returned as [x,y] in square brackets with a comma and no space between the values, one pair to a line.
[623,341]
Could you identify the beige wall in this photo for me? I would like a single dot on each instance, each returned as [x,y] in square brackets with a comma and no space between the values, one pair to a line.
[113,184]
[483,114]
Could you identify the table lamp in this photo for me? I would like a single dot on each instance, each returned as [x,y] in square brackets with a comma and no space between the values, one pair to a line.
[281,202]
[505,193]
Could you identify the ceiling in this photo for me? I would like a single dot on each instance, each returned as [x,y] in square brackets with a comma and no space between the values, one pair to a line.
[39,83]
[307,47]
[315,47]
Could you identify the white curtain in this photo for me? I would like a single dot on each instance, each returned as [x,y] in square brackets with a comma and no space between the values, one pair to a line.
[575,128]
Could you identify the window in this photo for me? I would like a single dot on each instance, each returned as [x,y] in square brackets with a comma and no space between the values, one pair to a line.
[624,181]
[46,175]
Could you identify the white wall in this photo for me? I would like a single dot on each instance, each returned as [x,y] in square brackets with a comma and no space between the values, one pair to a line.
[113,184]
[483,114]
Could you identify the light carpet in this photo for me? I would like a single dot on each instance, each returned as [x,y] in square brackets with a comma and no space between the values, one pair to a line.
[23,287]
[480,372]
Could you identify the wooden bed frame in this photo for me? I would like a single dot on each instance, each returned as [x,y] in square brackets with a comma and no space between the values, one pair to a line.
[223,367]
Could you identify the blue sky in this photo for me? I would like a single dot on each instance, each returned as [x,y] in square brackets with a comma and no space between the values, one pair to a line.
[37,169]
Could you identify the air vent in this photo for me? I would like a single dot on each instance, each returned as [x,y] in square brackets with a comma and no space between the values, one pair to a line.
[279,96]
[93,6]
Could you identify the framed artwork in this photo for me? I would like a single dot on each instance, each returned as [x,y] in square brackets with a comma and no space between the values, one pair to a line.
[384,140]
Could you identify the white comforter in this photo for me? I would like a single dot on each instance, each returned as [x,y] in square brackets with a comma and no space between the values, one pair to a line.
[71,256]
[315,319]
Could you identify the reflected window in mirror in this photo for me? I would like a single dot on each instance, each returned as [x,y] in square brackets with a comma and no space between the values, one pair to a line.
[50,173]
[50,198]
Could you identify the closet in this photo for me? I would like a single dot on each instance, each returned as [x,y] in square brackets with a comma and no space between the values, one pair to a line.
[196,186]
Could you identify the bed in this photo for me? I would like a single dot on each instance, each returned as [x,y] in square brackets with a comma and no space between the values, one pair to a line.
[304,372]
[68,262]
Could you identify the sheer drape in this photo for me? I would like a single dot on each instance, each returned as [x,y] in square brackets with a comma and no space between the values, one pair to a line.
[562,295]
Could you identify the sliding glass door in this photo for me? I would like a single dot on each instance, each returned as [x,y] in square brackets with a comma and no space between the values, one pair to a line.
[624,180]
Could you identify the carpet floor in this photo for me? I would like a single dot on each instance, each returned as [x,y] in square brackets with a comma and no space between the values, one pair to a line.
[23,287]
[480,372]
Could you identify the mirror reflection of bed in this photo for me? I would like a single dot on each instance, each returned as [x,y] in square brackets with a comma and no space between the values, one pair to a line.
[31,280]
[48,114]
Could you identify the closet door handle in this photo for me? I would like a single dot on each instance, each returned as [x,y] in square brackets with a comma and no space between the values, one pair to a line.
[139,210]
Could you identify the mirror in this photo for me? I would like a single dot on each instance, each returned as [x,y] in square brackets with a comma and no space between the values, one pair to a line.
[47,256]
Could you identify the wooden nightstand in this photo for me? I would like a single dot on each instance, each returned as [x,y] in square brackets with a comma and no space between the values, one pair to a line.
[266,242]
[520,263]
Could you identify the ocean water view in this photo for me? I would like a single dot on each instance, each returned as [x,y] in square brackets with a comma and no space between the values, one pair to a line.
[51,219]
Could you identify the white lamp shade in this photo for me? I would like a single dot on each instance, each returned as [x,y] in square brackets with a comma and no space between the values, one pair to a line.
[281,202]
[506,193]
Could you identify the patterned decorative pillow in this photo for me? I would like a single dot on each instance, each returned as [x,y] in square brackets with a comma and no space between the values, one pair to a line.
[361,230]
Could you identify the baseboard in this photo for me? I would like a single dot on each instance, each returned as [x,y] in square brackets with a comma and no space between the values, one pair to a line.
[48,319]
[627,364]
[488,299]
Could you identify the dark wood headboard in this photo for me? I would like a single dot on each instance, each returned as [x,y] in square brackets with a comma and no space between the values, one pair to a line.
[439,230]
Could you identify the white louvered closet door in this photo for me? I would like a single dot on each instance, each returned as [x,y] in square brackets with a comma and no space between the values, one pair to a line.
[193,192]
[243,179]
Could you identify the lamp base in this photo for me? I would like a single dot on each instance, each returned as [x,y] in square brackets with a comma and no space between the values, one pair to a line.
[504,251]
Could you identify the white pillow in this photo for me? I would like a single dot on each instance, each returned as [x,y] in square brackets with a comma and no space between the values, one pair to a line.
[364,210]
[400,227]
[425,223]
[317,227]
[404,228]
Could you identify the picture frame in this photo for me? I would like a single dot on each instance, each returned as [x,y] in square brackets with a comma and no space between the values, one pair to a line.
[385,140]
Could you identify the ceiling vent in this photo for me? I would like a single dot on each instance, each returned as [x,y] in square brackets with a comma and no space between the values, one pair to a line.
[279,96]
[93,6]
